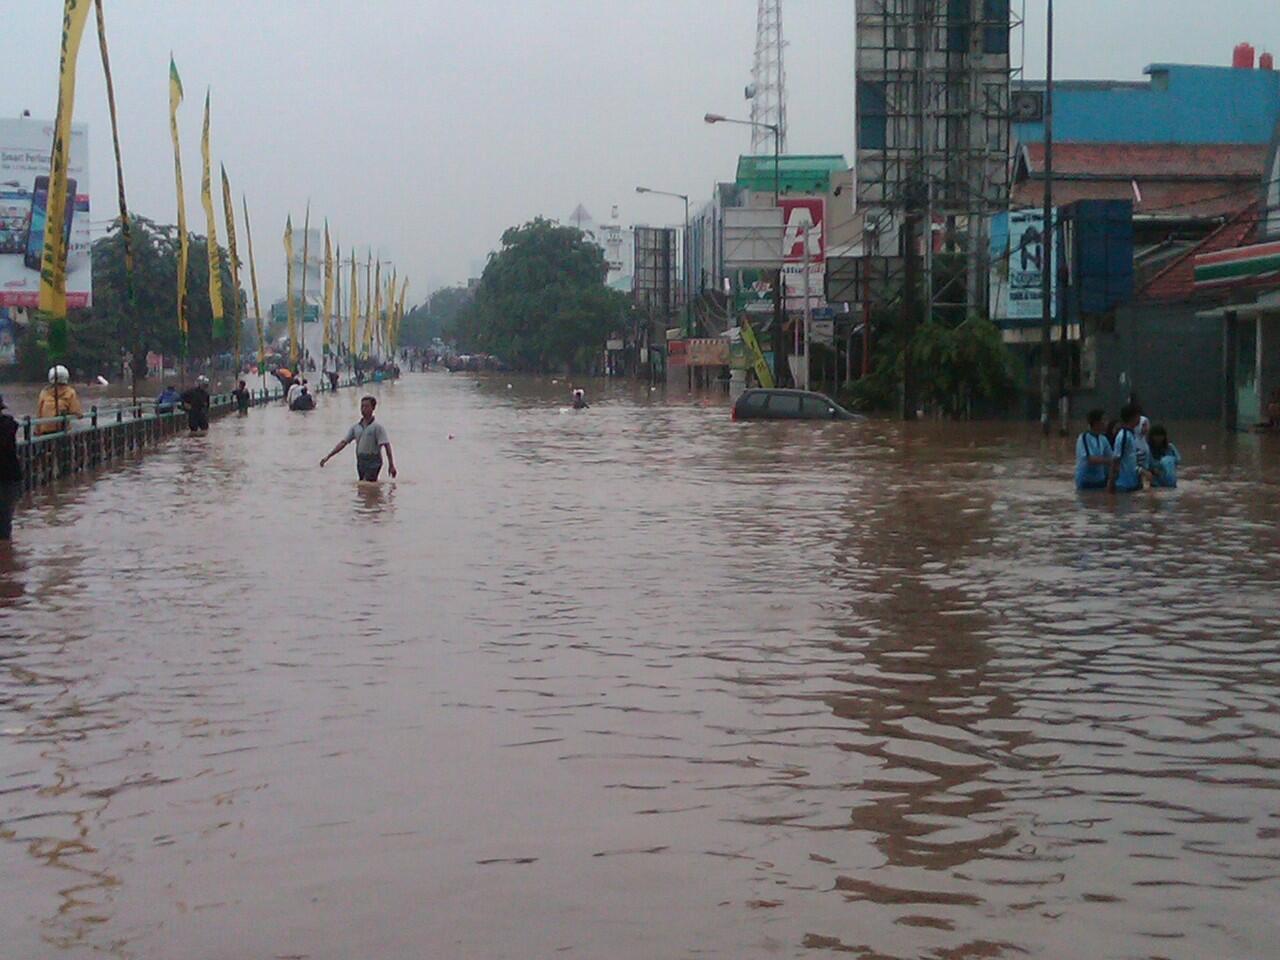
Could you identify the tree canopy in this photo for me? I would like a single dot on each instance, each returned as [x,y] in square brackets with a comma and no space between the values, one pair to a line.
[437,317]
[542,303]
[98,335]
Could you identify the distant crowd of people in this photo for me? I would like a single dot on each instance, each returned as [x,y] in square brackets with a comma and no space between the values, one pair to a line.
[1126,454]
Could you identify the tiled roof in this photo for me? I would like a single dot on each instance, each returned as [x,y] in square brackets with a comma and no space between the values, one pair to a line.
[1176,282]
[1149,160]
[1169,198]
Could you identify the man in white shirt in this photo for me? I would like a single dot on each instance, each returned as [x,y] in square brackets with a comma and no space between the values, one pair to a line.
[370,440]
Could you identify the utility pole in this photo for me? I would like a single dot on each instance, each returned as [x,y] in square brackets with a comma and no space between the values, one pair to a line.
[1046,263]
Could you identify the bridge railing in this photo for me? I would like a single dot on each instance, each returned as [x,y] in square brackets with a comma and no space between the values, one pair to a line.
[69,445]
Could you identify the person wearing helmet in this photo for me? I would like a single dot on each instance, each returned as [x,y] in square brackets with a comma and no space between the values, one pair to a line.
[58,399]
[580,399]
[196,402]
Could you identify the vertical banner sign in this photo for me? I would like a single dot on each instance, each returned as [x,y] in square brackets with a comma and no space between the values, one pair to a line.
[253,280]
[368,303]
[288,293]
[385,326]
[1017,266]
[800,214]
[53,262]
[328,288]
[355,304]
[404,289]
[126,232]
[175,98]
[336,336]
[229,212]
[377,300]
[302,308]
[211,241]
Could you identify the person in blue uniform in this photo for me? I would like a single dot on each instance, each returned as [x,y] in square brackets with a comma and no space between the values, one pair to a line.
[1125,477]
[1093,454]
[1164,459]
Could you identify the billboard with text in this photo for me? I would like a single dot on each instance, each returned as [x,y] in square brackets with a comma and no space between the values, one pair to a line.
[24,192]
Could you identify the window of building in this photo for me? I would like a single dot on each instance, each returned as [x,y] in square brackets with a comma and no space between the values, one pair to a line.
[873,120]
[995,32]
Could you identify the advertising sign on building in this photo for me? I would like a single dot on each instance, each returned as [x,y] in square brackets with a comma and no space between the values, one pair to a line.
[25,145]
[803,217]
[1017,266]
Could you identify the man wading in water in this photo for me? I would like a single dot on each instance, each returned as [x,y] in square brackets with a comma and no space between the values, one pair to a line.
[371,438]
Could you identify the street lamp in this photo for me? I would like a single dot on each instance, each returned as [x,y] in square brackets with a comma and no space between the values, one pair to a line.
[778,359]
[685,244]
[777,141]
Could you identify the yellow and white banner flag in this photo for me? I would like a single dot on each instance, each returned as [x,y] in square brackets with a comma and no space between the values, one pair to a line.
[53,262]
[368,304]
[229,212]
[175,98]
[355,304]
[377,303]
[328,288]
[126,229]
[253,280]
[211,225]
[288,293]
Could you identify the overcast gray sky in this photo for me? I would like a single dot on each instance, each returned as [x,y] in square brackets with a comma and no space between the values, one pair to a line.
[426,127]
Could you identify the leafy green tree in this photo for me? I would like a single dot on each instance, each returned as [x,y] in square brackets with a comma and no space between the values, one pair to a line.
[434,318]
[542,304]
[149,321]
[955,366]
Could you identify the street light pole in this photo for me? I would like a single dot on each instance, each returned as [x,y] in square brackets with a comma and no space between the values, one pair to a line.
[779,360]
[1046,265]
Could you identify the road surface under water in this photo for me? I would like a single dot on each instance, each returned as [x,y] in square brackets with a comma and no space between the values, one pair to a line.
[639,682]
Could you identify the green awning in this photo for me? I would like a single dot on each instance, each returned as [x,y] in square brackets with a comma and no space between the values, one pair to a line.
[797,172]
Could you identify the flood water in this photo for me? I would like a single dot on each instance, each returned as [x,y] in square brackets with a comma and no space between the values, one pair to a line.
[640,683]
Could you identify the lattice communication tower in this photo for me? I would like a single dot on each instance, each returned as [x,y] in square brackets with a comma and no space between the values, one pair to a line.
[768,90]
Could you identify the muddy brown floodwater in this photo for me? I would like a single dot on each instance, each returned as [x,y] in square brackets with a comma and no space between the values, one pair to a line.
[640,683]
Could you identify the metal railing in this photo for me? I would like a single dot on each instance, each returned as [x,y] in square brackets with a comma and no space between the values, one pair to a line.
[104,434]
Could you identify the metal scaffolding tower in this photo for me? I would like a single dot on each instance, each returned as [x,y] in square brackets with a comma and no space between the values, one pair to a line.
[933,136]
[768,90]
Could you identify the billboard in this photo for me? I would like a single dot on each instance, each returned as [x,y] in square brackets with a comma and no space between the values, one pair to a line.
[25,145]
[1017,262]
[801,214]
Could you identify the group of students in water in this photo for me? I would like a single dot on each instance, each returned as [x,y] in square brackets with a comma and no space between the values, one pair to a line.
[1126,454]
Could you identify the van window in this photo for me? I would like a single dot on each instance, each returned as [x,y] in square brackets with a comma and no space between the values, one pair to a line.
[784,404]
[816,408]
[754,401]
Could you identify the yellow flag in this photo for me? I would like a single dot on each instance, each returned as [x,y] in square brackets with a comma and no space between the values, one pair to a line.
[377,301]
[306,255]
[288,293]
[328,287]
[335,338]
[126,232]
[368,303]
[229,211]
[253,279]
[211,241]
[53,262]
[389,319]
[355,304]
[404,289]
[175,98]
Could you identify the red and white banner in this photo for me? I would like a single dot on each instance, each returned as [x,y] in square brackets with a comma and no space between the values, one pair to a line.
[801,217]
